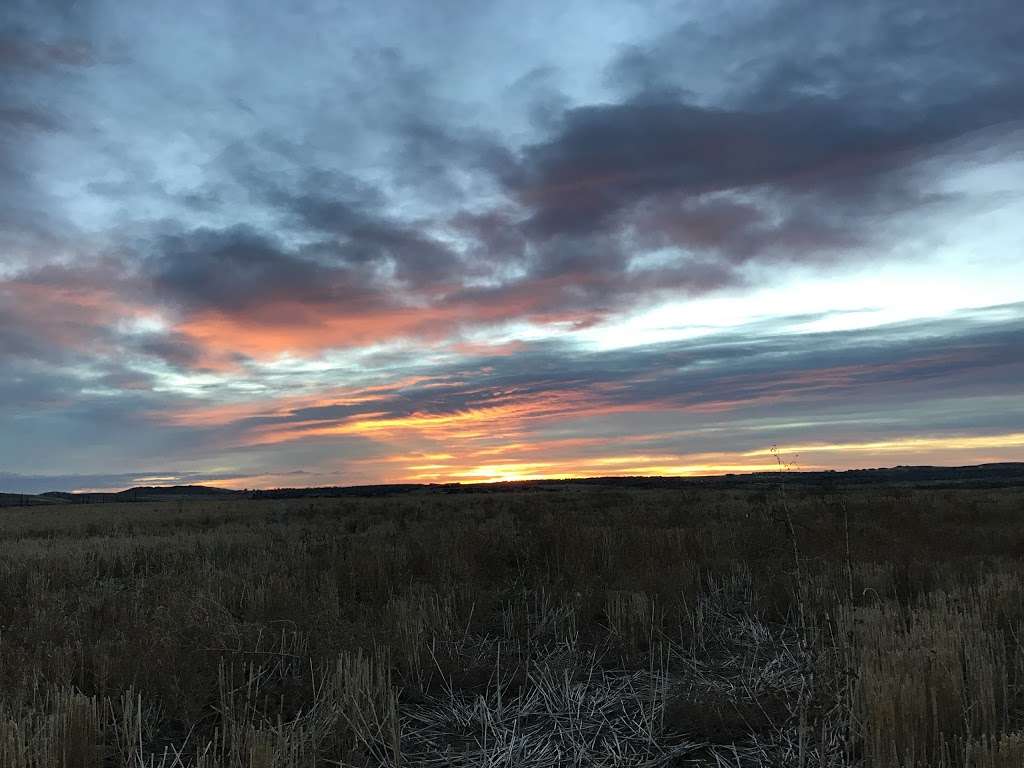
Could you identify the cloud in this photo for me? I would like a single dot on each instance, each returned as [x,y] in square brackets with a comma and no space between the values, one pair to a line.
[241,269]
[362,238]
[174,348]
[697,406]
[726,376]
[607,160]
[38,57]
[602,206]
[346,228]
[35,56]
[54,309]
[808,148]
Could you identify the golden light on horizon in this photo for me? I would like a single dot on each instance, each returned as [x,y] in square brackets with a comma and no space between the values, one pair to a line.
[903,444]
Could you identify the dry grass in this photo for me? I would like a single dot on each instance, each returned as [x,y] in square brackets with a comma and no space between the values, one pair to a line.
[874,628]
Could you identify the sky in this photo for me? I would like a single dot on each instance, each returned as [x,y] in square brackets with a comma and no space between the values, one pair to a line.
[303,243]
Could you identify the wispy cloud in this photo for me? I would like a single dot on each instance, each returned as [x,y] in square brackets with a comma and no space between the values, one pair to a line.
[303,239]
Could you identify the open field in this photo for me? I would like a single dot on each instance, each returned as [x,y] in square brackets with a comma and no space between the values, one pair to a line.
[565,625]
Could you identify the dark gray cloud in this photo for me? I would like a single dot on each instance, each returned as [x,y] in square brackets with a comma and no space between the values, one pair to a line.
[812,147]
[887,58]
[175,349]
[39,52]
[609,158]
[242,269]
[798,152]
[196,197]
[735,369]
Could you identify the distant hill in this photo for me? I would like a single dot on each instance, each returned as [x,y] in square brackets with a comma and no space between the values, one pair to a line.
[977,476]
[24,500]
[159,491]
[142,493]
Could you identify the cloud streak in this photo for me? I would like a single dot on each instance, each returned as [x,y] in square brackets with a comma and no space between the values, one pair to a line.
[303,239]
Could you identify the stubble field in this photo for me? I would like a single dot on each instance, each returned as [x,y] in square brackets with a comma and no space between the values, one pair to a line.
[576,625]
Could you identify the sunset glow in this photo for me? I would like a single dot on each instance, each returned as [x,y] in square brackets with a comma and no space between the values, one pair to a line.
[541,241]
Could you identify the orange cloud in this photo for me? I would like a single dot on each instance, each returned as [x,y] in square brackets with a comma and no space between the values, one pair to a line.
[302,329]
[460,425]
[68,316]
[283,407]
[298,329]
[506,416]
